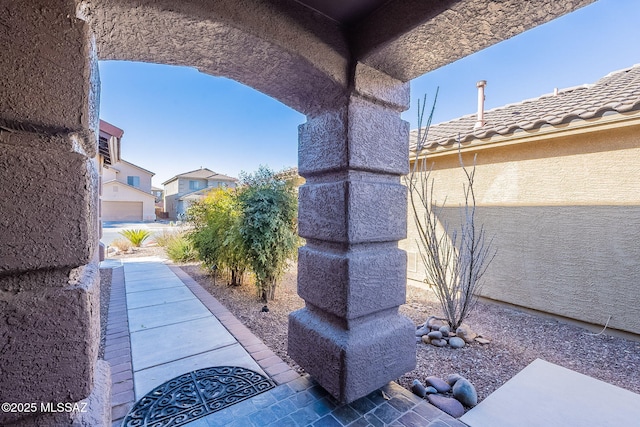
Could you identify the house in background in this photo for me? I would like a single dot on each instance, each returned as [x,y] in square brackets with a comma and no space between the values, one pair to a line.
[558,188]
[125,187]
[183,189]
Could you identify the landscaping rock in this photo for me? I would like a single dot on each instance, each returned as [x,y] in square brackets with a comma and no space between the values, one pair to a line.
[422,330]
[465,332]
[425,339]
[418,388]
[431,390]
[456,342]
[482,340]
[451,379]
[446,404]
[435,335]
[439,384]
[465,392]
[444,330]
[434,323]
[438,342]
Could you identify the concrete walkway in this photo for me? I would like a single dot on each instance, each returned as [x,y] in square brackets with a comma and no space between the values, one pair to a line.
[162,324]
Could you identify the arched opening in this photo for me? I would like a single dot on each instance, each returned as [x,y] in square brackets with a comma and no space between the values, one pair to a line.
[352,151]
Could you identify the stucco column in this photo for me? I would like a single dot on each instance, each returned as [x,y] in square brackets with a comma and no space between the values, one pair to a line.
[49,276]
[353,210]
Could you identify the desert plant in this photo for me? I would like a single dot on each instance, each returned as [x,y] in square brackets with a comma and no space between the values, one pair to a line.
[268,227]
[180,249]
[122,245]
[136,236]
[455,259]
[216,233]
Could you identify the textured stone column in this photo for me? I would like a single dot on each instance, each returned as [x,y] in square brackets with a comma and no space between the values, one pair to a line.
[49,277]
[353,210]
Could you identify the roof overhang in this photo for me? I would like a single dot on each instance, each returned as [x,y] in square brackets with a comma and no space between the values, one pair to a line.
[608,122]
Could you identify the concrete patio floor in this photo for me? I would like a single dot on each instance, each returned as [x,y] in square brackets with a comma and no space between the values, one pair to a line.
[162,324]
[544,394]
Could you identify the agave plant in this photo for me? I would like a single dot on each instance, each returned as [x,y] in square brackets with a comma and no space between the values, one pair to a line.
[136,237]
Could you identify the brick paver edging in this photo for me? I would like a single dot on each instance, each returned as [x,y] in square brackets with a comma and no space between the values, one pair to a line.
[273,365]
[118,349]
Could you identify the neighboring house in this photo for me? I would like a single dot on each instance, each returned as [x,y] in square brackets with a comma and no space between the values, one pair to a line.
[558,188]
[182,190]
[125,187]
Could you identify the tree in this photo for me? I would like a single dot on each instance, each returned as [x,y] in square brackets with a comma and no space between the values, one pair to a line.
[216,233]
[268,227]
[455,259]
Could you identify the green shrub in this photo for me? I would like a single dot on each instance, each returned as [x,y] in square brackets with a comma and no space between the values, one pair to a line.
[268,227]
[180,249]
[216,233]
[136,237]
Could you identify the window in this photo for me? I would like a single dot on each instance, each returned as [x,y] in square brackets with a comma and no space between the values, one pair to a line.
[195,185]
[133,181]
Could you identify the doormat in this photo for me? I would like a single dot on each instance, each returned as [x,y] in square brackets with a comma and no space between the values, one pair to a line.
[195,395]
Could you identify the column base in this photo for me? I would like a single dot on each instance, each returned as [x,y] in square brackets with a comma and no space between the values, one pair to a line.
[93,411]
[351,363]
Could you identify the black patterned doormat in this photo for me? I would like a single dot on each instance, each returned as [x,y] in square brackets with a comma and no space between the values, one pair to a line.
[195,395]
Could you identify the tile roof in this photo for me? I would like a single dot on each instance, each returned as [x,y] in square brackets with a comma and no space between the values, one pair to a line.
[617,92]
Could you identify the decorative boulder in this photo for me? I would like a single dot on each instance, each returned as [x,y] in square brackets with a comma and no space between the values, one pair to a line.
[435,335]
[465,392]
[418,388]
[446,404]
[451,379]
[465,332]
[438,342]
[445,330]
[456,342]
[438,384]
[422,330]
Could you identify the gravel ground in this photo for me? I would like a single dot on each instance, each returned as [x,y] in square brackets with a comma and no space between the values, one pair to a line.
[517,338]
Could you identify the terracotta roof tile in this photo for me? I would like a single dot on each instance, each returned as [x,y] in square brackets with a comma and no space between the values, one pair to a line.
[617,92]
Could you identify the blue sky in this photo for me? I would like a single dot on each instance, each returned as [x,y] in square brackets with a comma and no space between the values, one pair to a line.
[177,119]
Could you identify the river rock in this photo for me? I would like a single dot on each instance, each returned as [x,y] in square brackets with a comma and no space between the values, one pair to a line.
[437,383]
[418,388]
[422,330]
[445,330]
[425,339]
[451,379]
[434,323]
[465,332]
[438,342]
[431,390]
[446,404]
[456,342]
[435,335]
[482,340]
[465,392]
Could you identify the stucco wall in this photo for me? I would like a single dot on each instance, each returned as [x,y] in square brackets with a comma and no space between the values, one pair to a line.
[126,194]
[127,169]
[565,214]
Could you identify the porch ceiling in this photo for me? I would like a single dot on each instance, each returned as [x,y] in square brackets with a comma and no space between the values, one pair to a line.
[301,52]
[407,38]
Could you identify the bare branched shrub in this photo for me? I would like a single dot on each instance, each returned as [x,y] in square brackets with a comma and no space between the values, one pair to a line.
[454,259]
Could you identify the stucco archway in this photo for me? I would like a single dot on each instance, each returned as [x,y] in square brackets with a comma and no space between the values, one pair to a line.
[345,71]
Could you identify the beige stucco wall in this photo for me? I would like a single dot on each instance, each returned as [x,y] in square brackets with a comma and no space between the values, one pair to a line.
[121,170]
[117,192]
[565,214]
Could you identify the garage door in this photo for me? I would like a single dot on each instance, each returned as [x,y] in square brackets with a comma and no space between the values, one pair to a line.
[122,211]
